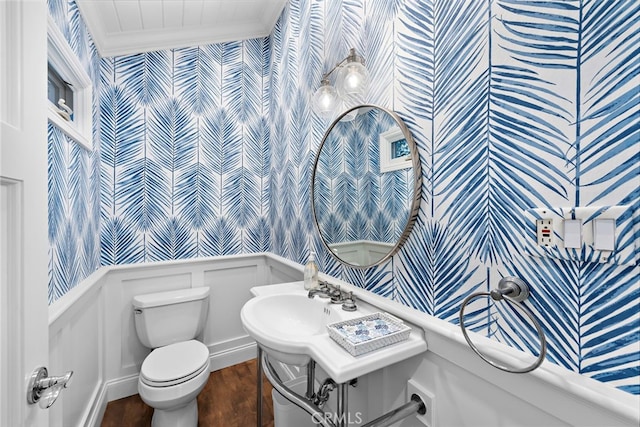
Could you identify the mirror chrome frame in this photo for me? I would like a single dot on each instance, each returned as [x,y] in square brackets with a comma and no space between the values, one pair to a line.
[417,185]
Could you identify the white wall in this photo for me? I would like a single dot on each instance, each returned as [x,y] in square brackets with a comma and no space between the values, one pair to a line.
[92,330]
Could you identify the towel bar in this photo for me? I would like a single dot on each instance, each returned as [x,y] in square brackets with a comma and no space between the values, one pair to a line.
[513,290]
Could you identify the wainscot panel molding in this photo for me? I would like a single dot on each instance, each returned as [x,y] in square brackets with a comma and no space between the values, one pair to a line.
[92,332]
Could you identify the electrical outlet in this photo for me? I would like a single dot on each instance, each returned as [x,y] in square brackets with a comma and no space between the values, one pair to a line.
[427,397]
[545,235]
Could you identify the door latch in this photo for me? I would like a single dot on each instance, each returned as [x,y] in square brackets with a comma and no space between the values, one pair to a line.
[44,389]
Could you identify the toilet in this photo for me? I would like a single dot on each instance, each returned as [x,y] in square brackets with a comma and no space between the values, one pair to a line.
[177,369]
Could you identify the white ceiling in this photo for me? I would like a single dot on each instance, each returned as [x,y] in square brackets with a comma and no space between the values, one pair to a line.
[121,27]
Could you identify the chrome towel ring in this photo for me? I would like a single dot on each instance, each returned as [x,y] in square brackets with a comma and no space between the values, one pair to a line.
[514,291]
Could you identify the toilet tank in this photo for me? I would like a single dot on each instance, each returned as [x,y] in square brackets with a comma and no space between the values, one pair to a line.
[164,318]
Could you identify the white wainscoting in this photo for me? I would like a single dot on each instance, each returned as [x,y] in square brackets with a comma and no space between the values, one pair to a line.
[92,331]
[470,393]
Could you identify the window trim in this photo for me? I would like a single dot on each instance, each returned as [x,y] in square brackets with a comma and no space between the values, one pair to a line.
[68,66]
[387,163]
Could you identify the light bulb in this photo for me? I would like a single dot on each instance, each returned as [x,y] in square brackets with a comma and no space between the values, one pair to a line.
[352,79]
[325,100]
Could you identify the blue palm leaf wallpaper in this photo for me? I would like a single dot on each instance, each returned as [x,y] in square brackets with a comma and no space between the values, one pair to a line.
[191,175]
[73,175]
[514,105]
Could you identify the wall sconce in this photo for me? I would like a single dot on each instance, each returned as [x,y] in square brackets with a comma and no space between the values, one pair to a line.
[352,81]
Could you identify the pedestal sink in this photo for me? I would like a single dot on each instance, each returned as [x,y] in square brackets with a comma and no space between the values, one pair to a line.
[291,328]
[284,324]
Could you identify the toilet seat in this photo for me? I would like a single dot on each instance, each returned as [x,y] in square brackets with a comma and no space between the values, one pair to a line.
[174,364]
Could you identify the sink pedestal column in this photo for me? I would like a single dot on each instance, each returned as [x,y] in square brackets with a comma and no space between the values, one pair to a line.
[343,404]
[259,389]
[311,379]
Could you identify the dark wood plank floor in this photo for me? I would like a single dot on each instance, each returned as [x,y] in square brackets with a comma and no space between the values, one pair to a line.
[228,399]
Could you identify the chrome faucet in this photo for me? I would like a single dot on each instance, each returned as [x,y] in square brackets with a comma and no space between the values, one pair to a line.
[320,291]
[327,290]
[323,290]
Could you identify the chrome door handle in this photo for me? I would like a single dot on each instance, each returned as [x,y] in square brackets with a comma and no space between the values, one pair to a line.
[44,389]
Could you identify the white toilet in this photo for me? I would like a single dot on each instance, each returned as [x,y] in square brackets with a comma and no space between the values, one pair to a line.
[176,371]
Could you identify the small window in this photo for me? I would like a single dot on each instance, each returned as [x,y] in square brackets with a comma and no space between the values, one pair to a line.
[68,81]
[395,153]
[399,148]
[58,89]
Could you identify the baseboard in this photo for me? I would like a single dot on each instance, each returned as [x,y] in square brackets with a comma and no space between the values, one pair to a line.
[94,413]
[122,387]
[232,356]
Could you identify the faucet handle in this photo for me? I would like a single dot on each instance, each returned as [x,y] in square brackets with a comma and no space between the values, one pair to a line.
[349,303]
[336,294]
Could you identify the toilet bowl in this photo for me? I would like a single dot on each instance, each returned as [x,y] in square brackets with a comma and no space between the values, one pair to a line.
[177,369]
[171,379]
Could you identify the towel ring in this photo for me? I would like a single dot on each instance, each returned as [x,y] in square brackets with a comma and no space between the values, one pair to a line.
[513,290]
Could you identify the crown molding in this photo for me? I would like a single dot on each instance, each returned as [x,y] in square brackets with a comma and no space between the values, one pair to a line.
[113,43]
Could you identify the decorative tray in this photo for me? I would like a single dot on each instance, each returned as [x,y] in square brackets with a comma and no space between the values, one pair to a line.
[367,333]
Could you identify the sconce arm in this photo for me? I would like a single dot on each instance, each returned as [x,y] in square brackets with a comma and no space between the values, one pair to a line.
[352,57]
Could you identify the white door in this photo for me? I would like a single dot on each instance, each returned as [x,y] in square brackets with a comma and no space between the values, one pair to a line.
[24,337]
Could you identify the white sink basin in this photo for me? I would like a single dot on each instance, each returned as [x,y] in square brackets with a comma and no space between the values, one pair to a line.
[284,324]
[293,316]
[291,328]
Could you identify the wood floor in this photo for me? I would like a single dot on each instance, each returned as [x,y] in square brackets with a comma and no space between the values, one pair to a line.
[228,400]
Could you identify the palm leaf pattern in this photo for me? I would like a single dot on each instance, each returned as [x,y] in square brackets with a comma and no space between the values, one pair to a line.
[79,36]
[311,44]
[73,179]
[197,77]
[416,59]
[609,324]
[438,282]
[121,143]
[146,75]
[59,12]
[514,104]
[119,242]
[378,51]
[343,21]
[610,120]
[554,301]
[173,239]
[57,184]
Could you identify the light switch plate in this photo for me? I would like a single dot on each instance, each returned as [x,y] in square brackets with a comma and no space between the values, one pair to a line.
[588,250]
[572,235]
[604,234]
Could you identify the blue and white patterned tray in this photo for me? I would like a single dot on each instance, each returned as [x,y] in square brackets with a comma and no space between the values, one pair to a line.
[367,333]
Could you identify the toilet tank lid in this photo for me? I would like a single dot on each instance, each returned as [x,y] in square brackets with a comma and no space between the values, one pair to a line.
[170,297]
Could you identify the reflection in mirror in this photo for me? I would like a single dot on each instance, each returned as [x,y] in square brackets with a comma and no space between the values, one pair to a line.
[366,186]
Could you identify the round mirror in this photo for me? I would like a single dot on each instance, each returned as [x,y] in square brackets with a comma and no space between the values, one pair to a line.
[365,188]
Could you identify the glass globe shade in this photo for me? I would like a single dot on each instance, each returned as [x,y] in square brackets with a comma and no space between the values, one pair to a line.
[349,102]
[325,101]
[352,79]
